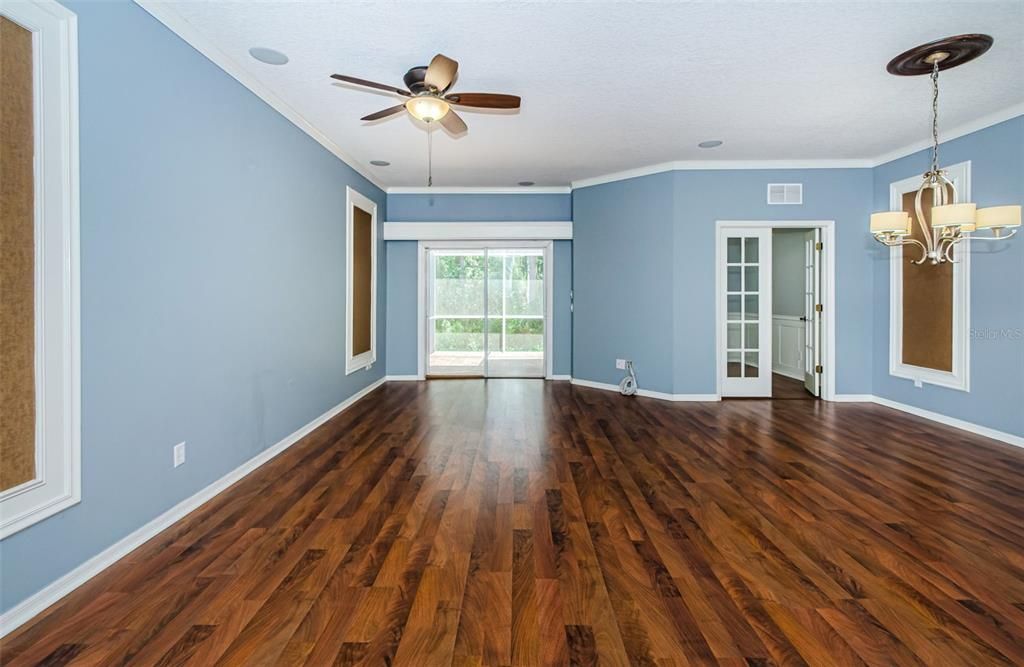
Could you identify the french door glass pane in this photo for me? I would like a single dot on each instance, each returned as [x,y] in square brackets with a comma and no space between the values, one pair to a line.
[742,327]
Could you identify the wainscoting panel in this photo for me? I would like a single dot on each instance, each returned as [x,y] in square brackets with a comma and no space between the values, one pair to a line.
[788,346]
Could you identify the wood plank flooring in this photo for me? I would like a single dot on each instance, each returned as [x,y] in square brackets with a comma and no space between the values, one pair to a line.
[522,522]
[787,389]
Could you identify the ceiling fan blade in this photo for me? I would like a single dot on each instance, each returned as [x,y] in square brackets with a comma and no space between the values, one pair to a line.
[384,113]
[452,122]
[485,100]
[371,84]
[441,72]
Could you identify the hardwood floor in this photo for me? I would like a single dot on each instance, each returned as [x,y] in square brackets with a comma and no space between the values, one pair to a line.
[787,389]
[518,522]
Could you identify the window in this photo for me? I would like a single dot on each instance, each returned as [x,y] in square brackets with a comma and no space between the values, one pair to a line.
[929,311]
[361,282]
[39,361]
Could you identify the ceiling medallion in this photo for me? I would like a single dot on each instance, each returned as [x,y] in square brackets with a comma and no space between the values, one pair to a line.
[951,221]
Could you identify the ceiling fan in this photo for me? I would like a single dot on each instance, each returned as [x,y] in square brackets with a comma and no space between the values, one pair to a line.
[428,96]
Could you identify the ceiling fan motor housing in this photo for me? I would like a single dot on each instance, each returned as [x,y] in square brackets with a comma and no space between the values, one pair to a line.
[414,79]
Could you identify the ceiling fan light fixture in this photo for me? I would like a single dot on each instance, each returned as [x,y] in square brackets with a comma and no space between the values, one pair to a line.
[427,108]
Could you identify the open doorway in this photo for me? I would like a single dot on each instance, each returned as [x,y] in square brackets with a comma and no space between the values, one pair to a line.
[767,349]
[796,326]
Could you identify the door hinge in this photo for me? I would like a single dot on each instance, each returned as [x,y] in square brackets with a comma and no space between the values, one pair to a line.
[818,307]
[819,369]
[818,245]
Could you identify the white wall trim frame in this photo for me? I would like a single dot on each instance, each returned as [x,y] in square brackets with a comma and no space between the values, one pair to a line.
[57,485]
[176,23]
[828,291]
[960,377]
[481,190]
[557,230]
[354,199]
[421,293]
[647,393]
[40,601]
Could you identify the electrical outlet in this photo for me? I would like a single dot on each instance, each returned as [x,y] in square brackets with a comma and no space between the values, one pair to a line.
[179,454]
[620,364]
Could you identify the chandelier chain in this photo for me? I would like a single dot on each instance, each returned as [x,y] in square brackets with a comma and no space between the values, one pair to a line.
[935,116]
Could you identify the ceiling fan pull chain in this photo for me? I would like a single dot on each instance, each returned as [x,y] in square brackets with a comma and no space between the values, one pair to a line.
[430,157]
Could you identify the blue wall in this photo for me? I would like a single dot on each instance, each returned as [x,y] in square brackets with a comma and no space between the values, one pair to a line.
[213,285]
[402,278]
[645,266]
[997,275]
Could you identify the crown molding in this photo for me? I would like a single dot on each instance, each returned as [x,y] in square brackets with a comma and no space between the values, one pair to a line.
[177,24]
[711,165]
[483,190]
[964,129]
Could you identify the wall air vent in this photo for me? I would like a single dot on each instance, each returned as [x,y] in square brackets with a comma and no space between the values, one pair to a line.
[785,193]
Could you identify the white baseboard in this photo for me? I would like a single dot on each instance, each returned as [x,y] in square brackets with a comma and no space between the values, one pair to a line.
[977,429]
[559,377]
[795,373]
[852,398]
[403,378]
[647,393]
[28,608]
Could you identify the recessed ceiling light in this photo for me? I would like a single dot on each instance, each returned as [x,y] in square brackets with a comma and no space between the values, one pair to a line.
[526,183]
[379,163]
[268,56]
[713,143]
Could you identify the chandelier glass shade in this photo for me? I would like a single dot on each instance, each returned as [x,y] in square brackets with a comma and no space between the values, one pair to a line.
[951,220]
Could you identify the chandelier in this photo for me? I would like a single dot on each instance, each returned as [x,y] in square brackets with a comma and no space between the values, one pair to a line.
[951,220]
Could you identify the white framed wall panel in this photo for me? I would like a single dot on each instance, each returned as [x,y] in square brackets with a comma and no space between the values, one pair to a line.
[57,484]
[354,362]
[960,376]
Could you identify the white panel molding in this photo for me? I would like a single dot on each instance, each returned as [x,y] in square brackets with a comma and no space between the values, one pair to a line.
[40,601]
[471,190]
[478,231]
[647,393]
[57,482]
[177,24]
[960,377]
[788,346]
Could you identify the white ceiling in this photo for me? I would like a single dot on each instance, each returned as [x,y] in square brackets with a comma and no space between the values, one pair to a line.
[609,86]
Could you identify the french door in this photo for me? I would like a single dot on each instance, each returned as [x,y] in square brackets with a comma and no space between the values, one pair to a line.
[745,331]
[486,310]
[812,315]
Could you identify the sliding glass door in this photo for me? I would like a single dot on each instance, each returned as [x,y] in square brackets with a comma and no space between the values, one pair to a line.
[486,311]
